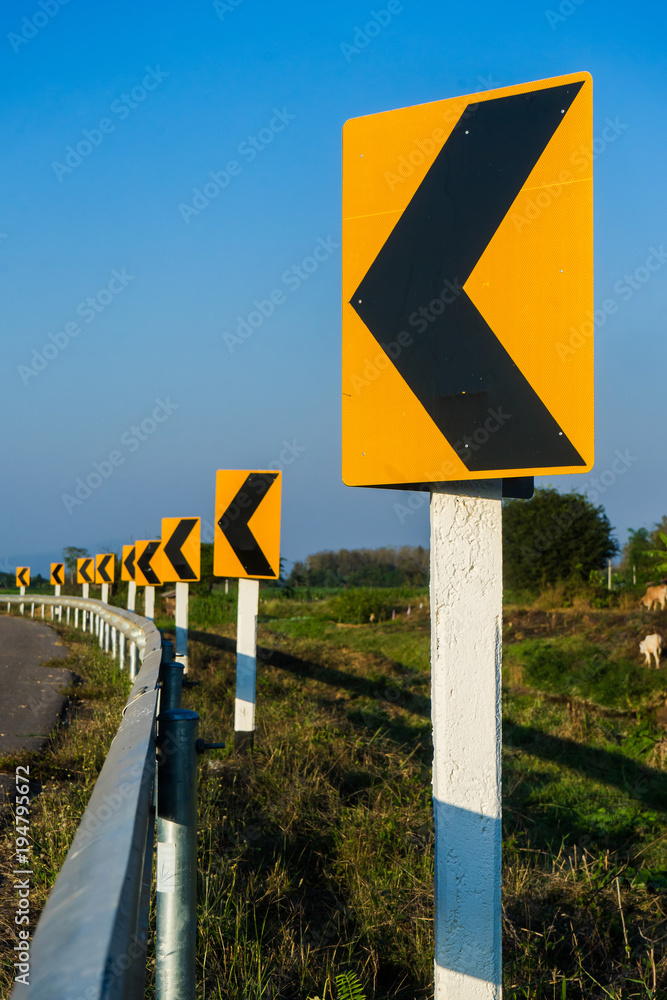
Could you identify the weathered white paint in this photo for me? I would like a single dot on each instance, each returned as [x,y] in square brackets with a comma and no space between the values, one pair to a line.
[246,656]
[105,593]
[149,602]
[466,630]
[131,595]
[85,589]
[181,623]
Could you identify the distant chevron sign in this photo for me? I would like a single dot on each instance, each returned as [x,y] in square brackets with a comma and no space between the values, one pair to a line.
[145,573]
[247,516]
[179,558]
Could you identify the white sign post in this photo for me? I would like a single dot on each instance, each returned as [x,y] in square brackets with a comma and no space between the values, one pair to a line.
[105,593]
[131,595]
[466,634]
[149,602]
[246,664]
[181,624]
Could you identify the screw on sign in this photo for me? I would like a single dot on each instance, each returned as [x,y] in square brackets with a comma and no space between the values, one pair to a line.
[452,320]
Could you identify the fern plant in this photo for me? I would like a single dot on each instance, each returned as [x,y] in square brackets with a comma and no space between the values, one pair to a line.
[348,987]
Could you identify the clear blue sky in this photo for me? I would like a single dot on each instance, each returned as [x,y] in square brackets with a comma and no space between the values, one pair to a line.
[169,93]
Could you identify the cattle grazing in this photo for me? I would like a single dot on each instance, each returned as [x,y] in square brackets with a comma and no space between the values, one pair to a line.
[655,595]
[651,646]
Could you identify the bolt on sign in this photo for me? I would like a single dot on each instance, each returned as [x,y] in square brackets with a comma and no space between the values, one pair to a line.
[57,574]
[178,560]
[467,264]
[105,565]
[85,570]
[22,576]
[247,524]
[127,568]
[144,571]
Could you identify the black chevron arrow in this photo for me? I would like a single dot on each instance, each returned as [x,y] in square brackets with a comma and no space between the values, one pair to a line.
[234,523]
[457,367]
[85,570]
[144,563]
[21,576]
[129,562]
[172,548]
[58,573]
[102,568]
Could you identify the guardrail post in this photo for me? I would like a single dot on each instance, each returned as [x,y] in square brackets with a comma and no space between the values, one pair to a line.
[42,612]
[32,610]
[176,914]
[76,617]
[171,690]
[113,641]
[167,650]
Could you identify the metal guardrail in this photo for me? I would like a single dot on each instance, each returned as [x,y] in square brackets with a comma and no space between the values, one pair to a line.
[90,942]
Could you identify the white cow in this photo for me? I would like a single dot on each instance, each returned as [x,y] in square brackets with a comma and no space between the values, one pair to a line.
[651,646]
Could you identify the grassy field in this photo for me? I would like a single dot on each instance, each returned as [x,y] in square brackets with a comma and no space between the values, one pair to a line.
[316,852]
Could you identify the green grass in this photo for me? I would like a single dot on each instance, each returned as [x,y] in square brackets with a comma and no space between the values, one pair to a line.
[316,851]
[577,667]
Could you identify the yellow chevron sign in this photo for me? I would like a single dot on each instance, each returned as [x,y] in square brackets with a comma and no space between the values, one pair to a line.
[467,264]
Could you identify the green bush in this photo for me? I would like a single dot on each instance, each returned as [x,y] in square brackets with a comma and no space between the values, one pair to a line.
[358,605]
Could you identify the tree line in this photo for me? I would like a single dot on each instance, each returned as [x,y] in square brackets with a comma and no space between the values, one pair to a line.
[551,538]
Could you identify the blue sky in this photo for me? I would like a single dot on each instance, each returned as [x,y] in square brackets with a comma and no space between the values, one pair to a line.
[159,96]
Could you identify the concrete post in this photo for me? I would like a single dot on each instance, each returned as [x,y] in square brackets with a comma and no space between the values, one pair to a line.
[181,622]
[246,665]
[466,632]
[149,602]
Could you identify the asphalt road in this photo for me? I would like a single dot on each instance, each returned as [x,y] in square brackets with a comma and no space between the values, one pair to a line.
[30,702]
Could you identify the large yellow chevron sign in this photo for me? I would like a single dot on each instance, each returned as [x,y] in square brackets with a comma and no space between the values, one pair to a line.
[467,265]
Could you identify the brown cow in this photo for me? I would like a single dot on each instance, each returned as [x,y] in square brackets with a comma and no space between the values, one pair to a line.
[653,595]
